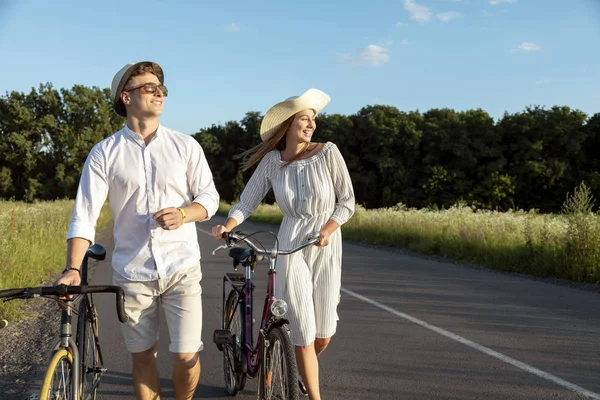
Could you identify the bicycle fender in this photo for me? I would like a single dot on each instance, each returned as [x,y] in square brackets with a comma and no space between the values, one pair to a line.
[277,323]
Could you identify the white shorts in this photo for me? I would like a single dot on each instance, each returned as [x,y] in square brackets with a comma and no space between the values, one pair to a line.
[180,296]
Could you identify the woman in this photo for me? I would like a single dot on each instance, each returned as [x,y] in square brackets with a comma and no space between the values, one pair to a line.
[313,190]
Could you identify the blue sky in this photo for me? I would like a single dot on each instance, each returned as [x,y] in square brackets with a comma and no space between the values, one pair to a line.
[222,59]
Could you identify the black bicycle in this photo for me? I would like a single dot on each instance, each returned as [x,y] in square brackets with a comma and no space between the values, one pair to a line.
[272,358]
[76,364]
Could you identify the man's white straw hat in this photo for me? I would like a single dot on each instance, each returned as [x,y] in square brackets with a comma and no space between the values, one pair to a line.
[121,77]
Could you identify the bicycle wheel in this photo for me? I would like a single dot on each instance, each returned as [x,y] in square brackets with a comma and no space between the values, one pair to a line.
[57,381]
[90,358]
[278,373]
[235,379]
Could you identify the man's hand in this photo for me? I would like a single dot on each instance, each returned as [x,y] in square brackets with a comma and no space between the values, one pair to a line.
[169,218]
[69,278]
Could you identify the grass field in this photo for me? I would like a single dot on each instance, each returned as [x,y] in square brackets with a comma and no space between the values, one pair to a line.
[564,245]
[32,244]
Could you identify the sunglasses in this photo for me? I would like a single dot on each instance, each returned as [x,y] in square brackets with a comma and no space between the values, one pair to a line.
[149,88]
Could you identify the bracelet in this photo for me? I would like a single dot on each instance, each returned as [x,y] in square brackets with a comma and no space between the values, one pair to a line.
[183,216]
[73,269]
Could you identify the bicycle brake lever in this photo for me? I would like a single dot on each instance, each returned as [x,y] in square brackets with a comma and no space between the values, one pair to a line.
[223,246]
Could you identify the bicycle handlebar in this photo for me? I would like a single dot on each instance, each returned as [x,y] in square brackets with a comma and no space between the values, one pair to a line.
[231,238]
[64,291]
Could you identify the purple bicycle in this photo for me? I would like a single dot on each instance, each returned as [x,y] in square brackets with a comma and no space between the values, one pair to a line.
[272,358]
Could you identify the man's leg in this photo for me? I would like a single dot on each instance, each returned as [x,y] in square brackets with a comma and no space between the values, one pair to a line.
[141,334]
[186,373]
[145,374]
[182,303]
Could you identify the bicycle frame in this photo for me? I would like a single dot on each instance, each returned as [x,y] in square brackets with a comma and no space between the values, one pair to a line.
[248,358]
[86,308]
[66,341]
[251,353]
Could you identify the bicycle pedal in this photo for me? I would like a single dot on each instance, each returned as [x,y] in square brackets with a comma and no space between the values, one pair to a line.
[221,337]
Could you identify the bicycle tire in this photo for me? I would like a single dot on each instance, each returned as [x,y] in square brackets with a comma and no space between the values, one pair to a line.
[279,353]
[61,361]
[235,379]
[88,349]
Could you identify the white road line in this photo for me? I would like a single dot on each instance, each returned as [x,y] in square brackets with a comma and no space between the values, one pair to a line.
[483,349]
[209,233]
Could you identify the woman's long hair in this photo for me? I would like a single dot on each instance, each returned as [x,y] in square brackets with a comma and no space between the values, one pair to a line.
[254,154]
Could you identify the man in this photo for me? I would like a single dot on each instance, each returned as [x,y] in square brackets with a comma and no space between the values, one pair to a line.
[158,183]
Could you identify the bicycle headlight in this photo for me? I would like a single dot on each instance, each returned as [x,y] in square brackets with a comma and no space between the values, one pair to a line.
[279,308]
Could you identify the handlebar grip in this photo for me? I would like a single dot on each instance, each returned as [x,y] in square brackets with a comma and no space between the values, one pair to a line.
[117,290]
[9,292]
[121,305]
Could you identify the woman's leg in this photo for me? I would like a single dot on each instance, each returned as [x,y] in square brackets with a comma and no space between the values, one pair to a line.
[321,344]
[308,366]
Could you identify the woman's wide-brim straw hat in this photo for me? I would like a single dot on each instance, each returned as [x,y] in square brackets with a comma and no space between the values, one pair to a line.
[121,77]
[280,112]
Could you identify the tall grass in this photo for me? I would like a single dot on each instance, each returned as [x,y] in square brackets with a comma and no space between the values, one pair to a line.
[562,245]
[32,244]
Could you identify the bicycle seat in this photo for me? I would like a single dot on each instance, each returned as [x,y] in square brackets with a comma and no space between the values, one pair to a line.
[240,253]
[97,252]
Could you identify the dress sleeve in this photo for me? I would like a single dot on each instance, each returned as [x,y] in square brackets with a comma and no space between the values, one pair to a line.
[255,191]
[344,191]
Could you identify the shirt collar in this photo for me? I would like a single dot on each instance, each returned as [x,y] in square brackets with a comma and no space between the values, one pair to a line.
[137,137]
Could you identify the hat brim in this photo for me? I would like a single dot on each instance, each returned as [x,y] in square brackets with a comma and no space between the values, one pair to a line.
[118,105]
[280,112]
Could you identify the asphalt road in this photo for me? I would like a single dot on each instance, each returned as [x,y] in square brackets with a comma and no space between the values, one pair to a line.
[410,328]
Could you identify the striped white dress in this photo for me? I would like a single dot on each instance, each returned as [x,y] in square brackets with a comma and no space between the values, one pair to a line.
[309,192]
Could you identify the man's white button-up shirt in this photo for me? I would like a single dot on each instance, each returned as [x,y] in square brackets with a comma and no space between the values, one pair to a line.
[139,180]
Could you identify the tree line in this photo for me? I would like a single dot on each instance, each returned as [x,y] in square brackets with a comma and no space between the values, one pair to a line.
[529,159]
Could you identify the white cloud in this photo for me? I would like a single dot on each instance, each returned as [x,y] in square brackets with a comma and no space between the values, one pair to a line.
[496,2]
[418,12]
[373,55]
[404,41]
[399,24]
[527,47]
[448,16]
[233,28]
[387,42]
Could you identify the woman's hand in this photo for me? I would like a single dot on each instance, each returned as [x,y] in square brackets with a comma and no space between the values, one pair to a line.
[218,231]
[324,238]
[326,232]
